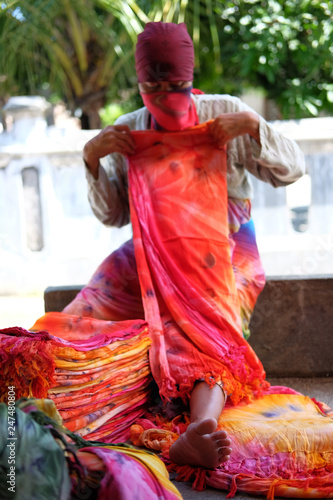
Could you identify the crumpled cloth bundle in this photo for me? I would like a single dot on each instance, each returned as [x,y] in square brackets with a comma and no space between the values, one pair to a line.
[96,372]
[53,463]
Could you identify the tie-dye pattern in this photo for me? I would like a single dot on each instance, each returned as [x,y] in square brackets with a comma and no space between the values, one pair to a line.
[282,445]
[179,208]
[113,293]
[233,267]
[247,267]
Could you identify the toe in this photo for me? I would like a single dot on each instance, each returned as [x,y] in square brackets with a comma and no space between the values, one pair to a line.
[224,451]
[207,426]
[218,435]
[223,442]
[223,458]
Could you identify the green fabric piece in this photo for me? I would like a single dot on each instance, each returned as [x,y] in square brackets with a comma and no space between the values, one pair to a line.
[40,466]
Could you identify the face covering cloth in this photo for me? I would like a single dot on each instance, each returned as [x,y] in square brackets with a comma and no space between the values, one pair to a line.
[165,52]
[171,110]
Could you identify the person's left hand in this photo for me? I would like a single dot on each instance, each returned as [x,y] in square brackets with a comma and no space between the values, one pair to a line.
[230,125]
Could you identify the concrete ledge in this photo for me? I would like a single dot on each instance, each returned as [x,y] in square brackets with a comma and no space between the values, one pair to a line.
[291,325]
[58,297]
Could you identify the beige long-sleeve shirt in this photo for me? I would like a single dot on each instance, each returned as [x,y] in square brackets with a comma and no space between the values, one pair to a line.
[278,160]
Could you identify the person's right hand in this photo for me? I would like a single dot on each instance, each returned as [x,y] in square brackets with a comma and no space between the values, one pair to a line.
[112,139]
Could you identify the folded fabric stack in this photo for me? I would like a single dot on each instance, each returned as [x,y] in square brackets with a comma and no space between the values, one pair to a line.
[97,372]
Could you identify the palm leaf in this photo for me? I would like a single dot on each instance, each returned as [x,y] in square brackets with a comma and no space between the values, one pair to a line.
[182,10]
[214,35]
[77,35]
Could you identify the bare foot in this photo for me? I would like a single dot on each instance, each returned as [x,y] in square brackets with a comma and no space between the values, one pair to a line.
[201,445]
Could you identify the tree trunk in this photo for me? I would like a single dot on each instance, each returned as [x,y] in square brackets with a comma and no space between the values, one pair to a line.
[90,121]
[90,105]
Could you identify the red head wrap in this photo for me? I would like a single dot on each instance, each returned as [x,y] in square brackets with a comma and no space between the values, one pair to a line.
[164,52]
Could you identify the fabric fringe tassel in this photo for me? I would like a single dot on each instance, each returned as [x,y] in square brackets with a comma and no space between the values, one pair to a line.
[26,362]
[187,473]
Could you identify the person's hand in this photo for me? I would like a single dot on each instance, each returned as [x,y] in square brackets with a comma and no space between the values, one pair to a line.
[112,139]
[230,125]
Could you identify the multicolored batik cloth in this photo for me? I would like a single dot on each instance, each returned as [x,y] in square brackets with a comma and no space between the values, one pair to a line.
[192,275]
[197,278]
[281,446]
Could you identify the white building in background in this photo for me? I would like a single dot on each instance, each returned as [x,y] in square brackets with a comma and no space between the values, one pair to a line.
[306,205]
[48,233]
[49,236]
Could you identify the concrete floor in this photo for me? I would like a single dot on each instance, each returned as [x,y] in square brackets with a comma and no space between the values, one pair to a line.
[319,388]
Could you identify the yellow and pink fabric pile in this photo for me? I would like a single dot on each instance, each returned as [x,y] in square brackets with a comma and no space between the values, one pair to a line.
[281,446]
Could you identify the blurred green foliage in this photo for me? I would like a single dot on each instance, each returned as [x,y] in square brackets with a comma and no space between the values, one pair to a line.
[83,50]
[110,113]
[284,47]
[79,48]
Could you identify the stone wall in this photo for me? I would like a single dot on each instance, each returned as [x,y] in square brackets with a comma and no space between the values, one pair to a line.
[290,328]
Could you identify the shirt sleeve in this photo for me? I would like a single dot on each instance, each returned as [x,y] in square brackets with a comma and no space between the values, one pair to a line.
[108,194]
[277,160]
